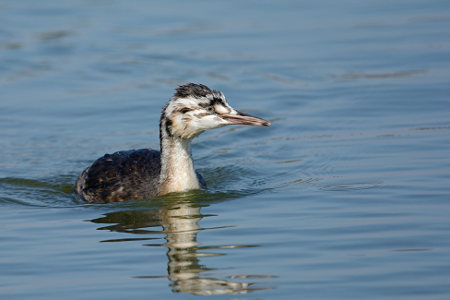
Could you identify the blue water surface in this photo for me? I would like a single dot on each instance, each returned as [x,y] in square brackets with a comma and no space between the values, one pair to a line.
[345,196]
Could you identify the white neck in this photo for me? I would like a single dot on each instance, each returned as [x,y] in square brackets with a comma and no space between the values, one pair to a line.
[177,168]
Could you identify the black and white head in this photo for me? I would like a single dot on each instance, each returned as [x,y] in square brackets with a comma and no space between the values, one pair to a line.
[195,108]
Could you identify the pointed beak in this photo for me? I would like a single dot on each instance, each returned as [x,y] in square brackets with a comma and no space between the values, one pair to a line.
[243,119]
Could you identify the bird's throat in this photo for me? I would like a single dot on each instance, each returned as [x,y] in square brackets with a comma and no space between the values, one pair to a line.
[177,168]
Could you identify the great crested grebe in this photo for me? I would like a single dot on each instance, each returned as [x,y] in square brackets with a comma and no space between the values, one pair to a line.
[146,173]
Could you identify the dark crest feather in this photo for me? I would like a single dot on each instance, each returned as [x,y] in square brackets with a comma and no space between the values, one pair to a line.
[193,89]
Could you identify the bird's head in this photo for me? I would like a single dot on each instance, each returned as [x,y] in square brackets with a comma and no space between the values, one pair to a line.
[195,108]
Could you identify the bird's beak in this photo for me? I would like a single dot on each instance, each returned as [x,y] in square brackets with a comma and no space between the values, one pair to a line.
[244,119]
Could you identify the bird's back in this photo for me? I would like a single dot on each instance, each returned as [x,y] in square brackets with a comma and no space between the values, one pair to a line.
[123,175]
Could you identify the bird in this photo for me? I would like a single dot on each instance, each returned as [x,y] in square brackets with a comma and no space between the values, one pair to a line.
[148,173]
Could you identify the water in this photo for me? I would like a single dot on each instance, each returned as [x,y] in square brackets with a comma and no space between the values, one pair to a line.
[345,196]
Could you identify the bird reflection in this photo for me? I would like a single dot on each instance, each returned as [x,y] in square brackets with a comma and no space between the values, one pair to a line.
[179,222]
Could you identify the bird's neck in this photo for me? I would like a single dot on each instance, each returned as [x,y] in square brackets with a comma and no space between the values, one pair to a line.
[177,168]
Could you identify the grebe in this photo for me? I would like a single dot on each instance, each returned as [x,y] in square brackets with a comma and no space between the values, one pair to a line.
[146,173]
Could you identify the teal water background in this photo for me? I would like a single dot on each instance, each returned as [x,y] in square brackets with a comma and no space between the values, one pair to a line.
[345,196]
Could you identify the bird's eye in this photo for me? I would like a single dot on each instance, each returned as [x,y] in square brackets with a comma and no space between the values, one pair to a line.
[210,109]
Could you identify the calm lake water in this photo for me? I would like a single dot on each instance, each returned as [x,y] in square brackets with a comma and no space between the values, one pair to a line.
[345,196]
